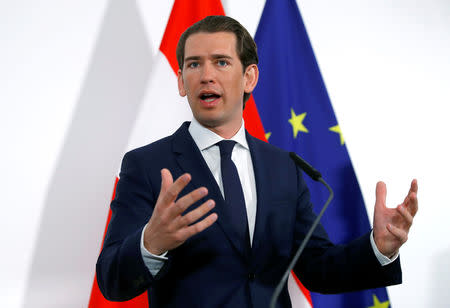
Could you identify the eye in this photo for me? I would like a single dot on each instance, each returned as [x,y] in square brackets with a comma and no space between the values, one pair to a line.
[222,63]
[193,65]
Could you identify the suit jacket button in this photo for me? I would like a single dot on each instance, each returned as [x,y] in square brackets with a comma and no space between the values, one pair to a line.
[251,276]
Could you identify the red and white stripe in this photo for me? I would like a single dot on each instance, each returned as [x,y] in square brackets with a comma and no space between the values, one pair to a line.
[163,111]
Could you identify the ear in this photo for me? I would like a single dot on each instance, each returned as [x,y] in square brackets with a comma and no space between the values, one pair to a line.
[181,88]
[251,75]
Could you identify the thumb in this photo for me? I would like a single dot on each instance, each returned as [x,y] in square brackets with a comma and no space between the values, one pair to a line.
[380,195]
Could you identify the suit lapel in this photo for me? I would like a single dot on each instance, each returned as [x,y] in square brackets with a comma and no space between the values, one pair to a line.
[191,161]
[263,187]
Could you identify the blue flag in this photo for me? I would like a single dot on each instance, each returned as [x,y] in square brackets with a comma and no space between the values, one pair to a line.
[297,116]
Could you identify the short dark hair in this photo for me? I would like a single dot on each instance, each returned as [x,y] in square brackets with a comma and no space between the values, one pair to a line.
[245,45]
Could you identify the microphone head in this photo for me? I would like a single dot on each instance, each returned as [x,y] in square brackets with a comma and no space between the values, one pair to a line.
[307,168]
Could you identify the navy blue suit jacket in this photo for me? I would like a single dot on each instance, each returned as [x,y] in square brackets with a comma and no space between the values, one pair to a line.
[213,268]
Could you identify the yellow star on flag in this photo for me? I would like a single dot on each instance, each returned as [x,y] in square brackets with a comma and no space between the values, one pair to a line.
[377,304]
[268,135]
[337,129]
[297,122]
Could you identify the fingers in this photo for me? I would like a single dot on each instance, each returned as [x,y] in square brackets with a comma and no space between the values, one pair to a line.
[167,228]
[186,201]
[196,214]
[171,190]
[400,235]
[166,180]
[184,227]
[414,186]
[411,202]
[380,194]
[405,214]
[200,226]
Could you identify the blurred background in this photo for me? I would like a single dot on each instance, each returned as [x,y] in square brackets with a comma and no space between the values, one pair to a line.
[77,81]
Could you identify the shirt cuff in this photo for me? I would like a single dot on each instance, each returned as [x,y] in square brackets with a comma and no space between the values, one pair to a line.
[381,257]
[154,263]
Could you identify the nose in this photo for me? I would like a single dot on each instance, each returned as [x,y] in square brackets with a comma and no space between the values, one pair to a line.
[208,74]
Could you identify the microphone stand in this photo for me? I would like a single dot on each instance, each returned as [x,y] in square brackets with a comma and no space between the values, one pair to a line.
[315,175]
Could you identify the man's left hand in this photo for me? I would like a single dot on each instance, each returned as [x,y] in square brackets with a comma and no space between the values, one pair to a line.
[391,225]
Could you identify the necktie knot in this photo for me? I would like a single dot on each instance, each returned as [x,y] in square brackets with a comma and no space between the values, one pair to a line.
[226,147]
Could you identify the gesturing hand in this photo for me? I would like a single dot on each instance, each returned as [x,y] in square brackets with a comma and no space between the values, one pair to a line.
[391,226]
[168,228]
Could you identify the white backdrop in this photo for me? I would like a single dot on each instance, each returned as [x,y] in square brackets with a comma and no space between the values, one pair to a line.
[66,69]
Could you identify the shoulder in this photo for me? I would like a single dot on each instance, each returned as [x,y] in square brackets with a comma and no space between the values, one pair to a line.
[157,147]
[268,155]
[267,150]
[160,148]
[143,159]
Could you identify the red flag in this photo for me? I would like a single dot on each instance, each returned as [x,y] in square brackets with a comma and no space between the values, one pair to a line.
[184,14]
[176,27]
[98,301]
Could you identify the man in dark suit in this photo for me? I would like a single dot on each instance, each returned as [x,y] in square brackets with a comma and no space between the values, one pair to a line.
[222,233]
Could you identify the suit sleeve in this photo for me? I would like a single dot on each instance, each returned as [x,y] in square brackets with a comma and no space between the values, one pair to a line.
[121,272]
[328,268]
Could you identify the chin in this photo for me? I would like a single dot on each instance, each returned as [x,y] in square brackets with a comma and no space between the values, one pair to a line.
[210,118]
[209,122]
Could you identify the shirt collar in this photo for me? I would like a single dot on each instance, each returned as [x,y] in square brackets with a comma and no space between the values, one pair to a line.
[204,138]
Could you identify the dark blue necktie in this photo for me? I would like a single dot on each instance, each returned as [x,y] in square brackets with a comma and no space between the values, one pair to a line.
[232,190]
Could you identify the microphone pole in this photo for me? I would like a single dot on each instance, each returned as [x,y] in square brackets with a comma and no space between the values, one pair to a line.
[316,176]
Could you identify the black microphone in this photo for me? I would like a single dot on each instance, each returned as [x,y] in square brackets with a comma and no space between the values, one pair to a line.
[316,176]
[309,170]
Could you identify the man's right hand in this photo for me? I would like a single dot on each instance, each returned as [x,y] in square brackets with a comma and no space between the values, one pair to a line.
[168,228]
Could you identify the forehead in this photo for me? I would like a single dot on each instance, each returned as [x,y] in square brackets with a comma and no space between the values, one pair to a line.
[204,44]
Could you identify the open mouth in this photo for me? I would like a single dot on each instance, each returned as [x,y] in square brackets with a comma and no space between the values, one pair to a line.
[209,97]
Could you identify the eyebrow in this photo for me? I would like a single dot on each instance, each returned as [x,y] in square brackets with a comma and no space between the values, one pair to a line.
[214,56]
[191,58]
[219,56]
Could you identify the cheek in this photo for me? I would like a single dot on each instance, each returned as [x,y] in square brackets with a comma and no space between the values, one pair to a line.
[189,80]
[236,85]
[188,88]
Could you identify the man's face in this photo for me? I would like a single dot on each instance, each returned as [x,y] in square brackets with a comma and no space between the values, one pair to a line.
[214,81]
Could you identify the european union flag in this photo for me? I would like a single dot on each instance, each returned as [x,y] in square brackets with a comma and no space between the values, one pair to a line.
[297,116]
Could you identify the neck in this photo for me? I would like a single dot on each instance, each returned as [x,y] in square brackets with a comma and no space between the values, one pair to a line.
[225,131]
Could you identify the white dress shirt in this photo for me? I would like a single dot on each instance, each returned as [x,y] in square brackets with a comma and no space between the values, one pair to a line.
[206,141]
